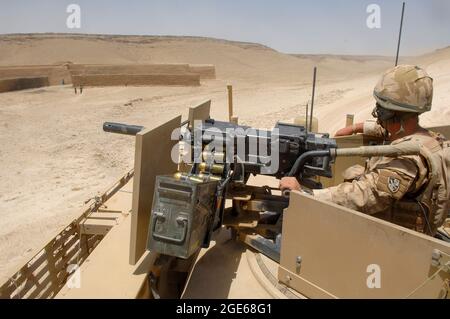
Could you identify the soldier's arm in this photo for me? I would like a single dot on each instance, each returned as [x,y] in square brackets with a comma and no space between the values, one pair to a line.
[372,128]
[350,130]
[375,191]
[368,127]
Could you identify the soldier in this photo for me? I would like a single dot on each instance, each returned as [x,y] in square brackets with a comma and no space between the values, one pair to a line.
[412,191]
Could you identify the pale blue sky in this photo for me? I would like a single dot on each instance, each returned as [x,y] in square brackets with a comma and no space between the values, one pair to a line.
[326,26]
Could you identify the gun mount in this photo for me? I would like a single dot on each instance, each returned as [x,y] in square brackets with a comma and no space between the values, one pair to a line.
[211,190]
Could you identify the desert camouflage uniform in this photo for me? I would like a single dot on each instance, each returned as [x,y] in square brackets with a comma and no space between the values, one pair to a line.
[387,187]
[412,191]
[372,128]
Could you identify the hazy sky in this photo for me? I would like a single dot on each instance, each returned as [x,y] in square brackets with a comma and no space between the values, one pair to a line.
[327,26]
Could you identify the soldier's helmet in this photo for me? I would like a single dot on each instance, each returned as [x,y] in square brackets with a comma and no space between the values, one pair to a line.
[405,88]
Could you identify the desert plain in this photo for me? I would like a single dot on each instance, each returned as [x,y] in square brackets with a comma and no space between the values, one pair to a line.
[54,154]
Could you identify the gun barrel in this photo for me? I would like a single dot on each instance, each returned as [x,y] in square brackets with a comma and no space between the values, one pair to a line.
[407,148]
[121,128]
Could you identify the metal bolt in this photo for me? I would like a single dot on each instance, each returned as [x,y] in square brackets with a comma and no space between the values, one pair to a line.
[435,258]
[298,262]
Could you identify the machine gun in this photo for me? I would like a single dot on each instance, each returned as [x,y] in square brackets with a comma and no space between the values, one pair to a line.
[212,189]
[190,205]
[221,156]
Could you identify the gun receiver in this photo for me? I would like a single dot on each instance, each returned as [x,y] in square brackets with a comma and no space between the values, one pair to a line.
[293,140]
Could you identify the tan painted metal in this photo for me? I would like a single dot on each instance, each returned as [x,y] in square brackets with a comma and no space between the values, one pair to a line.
[107,273]
[302,120]
[47,271]
[338,247]
[98,279]
[200,112]
[349,120]
[230,102]
[97,226]
[152,157]
[229,269]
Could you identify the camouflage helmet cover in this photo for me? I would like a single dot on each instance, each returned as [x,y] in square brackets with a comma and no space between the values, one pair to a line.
[405,88]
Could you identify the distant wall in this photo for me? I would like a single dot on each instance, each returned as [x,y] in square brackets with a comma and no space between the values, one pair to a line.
[203,70]
[93,69]
[110,75]
[56,74]
[206,71]
[15,84]
[136,79]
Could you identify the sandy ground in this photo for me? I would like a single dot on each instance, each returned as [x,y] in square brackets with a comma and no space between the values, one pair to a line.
[54,154]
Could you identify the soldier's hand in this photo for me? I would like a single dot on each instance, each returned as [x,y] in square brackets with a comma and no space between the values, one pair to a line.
[350,130]
[289,183]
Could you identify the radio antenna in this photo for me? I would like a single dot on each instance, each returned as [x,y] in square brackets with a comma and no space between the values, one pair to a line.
[306,117]
[400,34]
[312,99]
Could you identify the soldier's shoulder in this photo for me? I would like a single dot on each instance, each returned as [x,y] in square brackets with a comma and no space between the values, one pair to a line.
[402,140]
[428,139]
[424,140]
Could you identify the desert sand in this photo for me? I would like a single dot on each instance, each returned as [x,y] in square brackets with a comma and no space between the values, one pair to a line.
[54,154]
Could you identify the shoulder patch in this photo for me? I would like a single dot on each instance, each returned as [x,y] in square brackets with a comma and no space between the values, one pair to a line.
[394,183]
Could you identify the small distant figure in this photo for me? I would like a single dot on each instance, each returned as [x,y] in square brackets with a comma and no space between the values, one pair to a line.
[75,88]
[81,90]
[62,82]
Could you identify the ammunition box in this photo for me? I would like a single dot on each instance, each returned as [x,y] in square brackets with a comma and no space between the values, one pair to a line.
[181,215]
